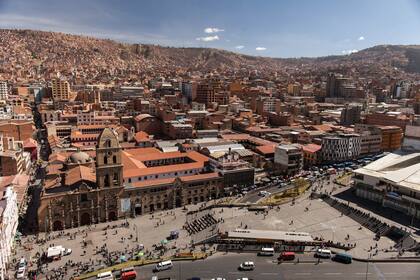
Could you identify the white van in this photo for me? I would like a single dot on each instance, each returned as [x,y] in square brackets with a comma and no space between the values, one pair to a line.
[266,252]
[164,265]
[107,275]
[323,253]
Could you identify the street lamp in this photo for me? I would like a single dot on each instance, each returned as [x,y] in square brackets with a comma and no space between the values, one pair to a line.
[367,265]
[137,233]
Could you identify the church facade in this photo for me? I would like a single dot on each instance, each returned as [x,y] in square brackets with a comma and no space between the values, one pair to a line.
[83,188]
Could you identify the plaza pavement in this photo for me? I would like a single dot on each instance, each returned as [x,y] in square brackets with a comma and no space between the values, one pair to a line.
[320,220]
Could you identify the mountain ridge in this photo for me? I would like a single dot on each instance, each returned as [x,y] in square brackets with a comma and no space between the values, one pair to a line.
[68,52]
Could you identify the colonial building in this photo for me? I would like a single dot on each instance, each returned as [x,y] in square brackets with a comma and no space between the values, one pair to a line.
[79,192]
[90,187]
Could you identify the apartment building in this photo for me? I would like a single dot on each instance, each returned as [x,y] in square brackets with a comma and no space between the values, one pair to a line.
[340,147]
[391,136]
[9,216]
[289,158]
[4,93]
[60,90]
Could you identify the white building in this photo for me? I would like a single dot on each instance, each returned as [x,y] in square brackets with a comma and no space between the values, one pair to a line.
[289,158]
[340,147]
[9,214]
[4,95]
[393,181]
[96,117]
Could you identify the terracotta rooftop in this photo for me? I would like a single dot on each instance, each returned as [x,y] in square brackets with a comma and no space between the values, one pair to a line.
[141,136]
[267,149]
[166,181]
[311,148]
[79,173]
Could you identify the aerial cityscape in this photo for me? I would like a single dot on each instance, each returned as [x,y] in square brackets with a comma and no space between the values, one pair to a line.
[212,140]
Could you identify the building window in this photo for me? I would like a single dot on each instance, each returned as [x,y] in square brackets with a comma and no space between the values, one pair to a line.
[83,197]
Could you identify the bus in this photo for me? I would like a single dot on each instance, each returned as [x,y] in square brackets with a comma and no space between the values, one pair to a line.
[266,252]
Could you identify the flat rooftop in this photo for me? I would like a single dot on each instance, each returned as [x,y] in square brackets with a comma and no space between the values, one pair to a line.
[402,170]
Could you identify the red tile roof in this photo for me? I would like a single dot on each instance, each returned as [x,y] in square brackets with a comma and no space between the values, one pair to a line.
[311,148]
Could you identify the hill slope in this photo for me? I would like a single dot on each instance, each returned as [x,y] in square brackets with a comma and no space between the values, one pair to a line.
[97,58]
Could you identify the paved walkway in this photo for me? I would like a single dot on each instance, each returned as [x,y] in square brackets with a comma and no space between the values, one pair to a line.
[320,220]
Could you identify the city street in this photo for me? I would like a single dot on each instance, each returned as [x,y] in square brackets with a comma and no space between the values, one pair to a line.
[267,269]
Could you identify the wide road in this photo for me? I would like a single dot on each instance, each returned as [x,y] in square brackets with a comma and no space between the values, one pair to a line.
[266,268]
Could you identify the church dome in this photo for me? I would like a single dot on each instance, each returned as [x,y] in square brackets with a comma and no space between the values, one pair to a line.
[79,158]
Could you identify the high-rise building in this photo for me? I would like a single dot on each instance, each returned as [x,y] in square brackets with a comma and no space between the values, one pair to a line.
[339,87]
[205,94]
[294,89]
[350,115]
[189,91]
[60,89]
[3,91]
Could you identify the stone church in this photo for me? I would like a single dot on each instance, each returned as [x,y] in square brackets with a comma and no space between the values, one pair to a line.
[83,191]
[108,183]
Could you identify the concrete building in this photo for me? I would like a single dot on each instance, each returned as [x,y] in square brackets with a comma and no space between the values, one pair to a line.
[411,140]
[336,86]
[391,135]
[392,181]
[4,93]
[205,94]
[264,105]
[235,171]
[340,147]
[387,119]
[311,155]
[289,158]
[371,138]
[9,215]
[294,89]
[60,90]
[96,117]
[350,115]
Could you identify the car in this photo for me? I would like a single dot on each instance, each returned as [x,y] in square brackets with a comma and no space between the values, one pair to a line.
[286,256]
[247,266]
[67,252]
[243,278]
[21,273]
[323,253]
[218,278]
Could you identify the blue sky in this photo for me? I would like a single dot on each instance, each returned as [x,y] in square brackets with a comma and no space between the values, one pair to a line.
[274,28]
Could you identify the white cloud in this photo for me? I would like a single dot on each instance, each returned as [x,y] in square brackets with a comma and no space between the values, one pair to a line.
[260,48]
[210,30]
[208,38]
[349,51]
[361,38]
[240,47]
